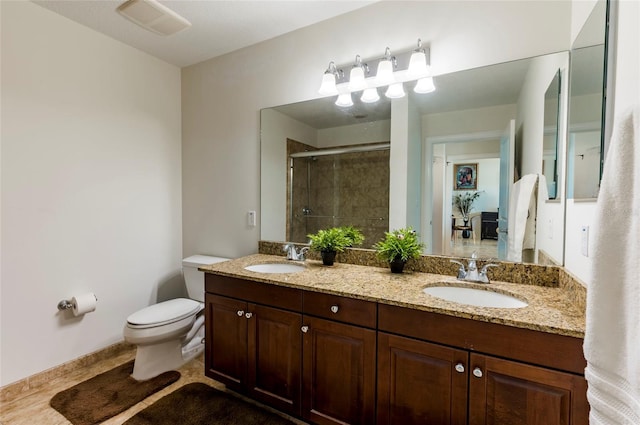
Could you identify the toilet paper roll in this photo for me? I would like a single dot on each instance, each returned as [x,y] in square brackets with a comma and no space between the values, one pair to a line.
[85,303]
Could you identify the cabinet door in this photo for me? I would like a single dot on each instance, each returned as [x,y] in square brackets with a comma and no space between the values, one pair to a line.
[339,368]
[274,357]
[420,383]
[226,341]
[506,392]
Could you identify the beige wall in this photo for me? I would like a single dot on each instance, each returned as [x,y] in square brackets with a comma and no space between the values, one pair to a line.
[91,195]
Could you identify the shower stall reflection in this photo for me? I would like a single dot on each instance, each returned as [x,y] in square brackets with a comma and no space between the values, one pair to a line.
[346,186]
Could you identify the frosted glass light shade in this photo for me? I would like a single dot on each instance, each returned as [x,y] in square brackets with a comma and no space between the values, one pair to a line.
[344,100]
[328,86]
[424,85]
[370,95]
[384,75]
[395,91]
[418,65]
[356,79]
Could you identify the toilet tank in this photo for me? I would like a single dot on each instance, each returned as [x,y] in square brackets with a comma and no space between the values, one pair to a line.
[193,278]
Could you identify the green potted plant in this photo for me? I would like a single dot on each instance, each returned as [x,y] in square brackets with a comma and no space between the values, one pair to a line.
[354,234]
[398,247]
[329,242]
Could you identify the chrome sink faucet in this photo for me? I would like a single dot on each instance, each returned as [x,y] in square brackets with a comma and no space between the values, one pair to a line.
[293,254]
[471,274]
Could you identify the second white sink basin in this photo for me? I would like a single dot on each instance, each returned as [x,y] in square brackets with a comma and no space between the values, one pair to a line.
[477,297]
[276,268]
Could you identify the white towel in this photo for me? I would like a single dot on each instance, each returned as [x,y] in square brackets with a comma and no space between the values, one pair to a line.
[521,205]
[612,337]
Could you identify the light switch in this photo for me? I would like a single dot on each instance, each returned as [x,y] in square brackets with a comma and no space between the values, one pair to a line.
[584,240]
[251,218]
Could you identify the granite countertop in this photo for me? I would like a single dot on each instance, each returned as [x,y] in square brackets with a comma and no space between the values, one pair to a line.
[550,310]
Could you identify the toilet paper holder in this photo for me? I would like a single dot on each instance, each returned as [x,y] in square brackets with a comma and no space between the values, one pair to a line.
[67,304]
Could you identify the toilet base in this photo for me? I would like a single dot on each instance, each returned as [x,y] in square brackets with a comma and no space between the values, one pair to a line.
[152,360]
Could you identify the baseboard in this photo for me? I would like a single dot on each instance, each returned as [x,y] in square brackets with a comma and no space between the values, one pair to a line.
[30,384]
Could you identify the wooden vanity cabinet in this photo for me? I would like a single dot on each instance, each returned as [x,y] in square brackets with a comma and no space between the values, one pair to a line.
[255,348]
[420,382]
[543,387]
[339,360]
[506,392]
[315,360]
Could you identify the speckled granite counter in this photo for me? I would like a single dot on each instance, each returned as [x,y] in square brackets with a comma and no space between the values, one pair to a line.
[550,309]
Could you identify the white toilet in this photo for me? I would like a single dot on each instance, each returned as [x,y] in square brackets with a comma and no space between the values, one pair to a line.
[170,333]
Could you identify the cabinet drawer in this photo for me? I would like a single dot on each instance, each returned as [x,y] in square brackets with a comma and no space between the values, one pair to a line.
[335,307]
[256,292]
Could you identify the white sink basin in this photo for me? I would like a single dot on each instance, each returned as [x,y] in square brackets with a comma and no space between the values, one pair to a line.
[476,297]
[276,268]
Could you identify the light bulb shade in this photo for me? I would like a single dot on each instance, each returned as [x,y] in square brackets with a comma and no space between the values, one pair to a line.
[418,65]
[370,95]
[395,91]
[344,100]
[356,79]
[424,85]
[328,86]
[384,75]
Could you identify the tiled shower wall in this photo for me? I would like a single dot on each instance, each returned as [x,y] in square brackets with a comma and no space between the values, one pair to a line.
[339,190]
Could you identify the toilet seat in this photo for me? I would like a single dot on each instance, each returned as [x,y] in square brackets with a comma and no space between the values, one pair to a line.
[164,313]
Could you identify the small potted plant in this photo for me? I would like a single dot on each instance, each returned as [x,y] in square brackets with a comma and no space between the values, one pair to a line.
[329,242]
[354,234]
[464,203]
[398,247]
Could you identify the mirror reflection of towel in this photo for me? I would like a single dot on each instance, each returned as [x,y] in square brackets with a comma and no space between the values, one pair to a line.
[522,217]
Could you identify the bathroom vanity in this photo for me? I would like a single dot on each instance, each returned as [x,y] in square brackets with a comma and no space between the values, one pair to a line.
[359,345]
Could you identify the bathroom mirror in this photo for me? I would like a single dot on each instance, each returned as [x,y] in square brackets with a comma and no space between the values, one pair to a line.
[550,146]
[477,104]
[586,107]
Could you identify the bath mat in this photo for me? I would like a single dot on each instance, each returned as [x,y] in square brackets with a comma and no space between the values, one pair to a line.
[200,404]
[105,395]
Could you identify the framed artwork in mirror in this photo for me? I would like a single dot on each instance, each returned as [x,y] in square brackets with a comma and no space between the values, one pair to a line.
[465,176]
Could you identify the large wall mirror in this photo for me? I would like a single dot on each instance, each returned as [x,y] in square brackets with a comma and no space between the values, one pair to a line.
[326,166]
[586,107]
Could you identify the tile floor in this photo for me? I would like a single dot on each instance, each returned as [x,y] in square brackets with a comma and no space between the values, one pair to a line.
[33,408]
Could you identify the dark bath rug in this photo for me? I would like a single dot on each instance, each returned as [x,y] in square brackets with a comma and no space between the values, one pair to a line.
[200,404]
[104,396]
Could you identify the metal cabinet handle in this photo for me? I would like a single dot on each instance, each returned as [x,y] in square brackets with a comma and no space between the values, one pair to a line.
[460,368]
[334,309]
[240,313]
[304,329]
[248,315]
[477,372]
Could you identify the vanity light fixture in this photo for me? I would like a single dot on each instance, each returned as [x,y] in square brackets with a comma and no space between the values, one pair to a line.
[391,70]
[356,77]
[370,95]
[418,63]
[424,85]
[395,91]
[384,75]
[344,100]
[328,86]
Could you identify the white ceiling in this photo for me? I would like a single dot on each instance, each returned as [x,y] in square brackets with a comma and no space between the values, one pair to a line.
[218,27]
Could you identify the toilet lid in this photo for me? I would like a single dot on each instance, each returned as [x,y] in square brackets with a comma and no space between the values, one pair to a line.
[165,312]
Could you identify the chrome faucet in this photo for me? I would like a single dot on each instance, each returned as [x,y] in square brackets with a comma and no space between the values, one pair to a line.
[293,254]
[471,274]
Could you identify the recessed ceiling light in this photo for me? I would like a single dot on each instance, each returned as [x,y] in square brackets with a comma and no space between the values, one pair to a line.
[153,16]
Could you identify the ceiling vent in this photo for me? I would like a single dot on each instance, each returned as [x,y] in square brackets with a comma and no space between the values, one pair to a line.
[153,16]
